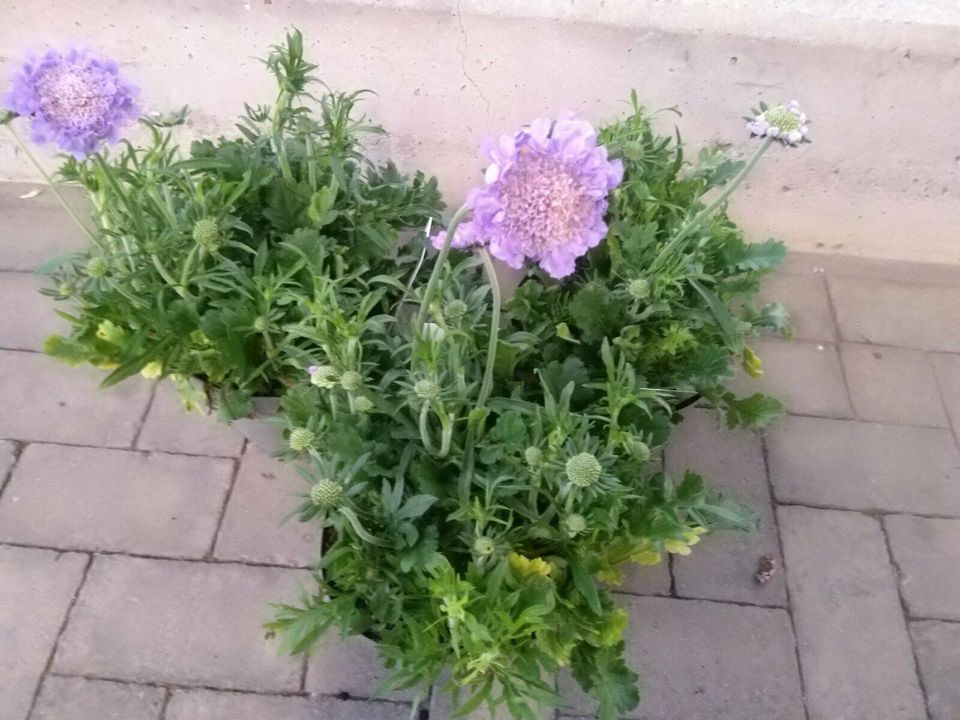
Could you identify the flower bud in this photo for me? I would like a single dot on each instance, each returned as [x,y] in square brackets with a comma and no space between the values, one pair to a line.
[325,493]
[351,381]
[426,389]
[324,376]
[484,545]
[301,438]
[637,448]
[583,470]
[65,289]
[639,289]
[363,404]
[574,524]
[533,455]
[261,324]
[455,310]
[206,233]
[97,267]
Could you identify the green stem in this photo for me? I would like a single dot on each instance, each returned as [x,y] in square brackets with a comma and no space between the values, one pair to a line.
[165,274]
[50,183]
[694,222]
[438,267]
[188,266]
[487,385]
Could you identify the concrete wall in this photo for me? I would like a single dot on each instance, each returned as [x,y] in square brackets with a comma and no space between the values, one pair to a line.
[881,81]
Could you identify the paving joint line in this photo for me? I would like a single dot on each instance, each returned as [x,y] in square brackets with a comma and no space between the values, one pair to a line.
[47,668]
[953,427]
[120,449]
[165,703]
[18,448]
[148,556]
[683,598]
[226,501]
[874,513]
[897,573]
[764,453]
[143,416]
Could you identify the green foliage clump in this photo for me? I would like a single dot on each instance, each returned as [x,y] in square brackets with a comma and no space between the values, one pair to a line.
[201,263]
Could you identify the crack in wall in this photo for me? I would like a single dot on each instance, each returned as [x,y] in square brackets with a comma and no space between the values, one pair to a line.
[462,52]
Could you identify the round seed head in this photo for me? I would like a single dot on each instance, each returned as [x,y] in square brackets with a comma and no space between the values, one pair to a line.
[639,289]
[533,456]
[455,310]
[351,381]
[261,324]
[583,470]
[638,448]
[97,267]
[575,524]
[426,389]
[484,546]
[206,233]
[363,404]
[301,438]
[324,376]
[325,493]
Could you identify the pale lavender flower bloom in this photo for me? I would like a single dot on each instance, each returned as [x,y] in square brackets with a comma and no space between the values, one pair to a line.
[545,196]
[785,123]
[75,100]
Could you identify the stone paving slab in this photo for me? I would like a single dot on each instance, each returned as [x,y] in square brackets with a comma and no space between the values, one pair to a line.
[36,230]
[722,567]
[253,529]
[927,553]
[854,266]
[938,655]
[350,665]
[892,385]
[864,466]
[645,579]
[36,589]
[27,318]
[69,698]
[805,297]
[78,498]
[853,643]
[47,401]
[947,368]
[170,429]
[8,456]
[805,376]
[179,622]
[701,659]
[888,313]
[211,705]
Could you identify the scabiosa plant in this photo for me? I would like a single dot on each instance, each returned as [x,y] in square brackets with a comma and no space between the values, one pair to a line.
[545,196]
[73,99]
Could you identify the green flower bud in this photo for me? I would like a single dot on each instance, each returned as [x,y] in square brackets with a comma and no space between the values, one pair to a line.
[261,324]
[426,389]
[97,267]
[351,381]
[533,456]
[206,233]
[363,404]
[583,470]
[639,289]
[455,310]
[65,289]
[575,524]
[301,438]
[324,376]
[484,546]
[325,493]
[638,448]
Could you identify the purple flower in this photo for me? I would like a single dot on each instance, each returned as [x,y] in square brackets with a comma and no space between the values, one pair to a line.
[545,196]
[75,100]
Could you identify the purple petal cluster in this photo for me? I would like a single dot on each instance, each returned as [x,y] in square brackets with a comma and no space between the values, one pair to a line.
[545,196]
[75,100]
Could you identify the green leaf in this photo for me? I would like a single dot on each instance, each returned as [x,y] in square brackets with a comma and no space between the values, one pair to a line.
[603,673]
[721,313]
[586,585]
[762,256]
[755,412]
[415,506]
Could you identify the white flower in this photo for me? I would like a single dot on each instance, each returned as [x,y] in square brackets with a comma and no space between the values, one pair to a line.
[786,123]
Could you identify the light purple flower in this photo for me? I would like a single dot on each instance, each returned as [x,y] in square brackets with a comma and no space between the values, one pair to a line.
[545,196]
[785,123]
[75,100]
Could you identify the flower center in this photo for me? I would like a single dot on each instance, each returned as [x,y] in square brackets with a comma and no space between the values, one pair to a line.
[545,202]
[73,96]
[782,118]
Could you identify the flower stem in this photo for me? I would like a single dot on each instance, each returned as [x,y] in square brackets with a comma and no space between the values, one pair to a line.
[694,222]
[438,267]
[50,183]
[487,385]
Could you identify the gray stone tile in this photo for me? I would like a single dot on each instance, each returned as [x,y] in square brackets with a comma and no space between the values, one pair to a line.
[938,654]
[169,427]
[864,466]
[253,527]
[897,314]
[68,698]
[27,318]
[211,705]
[80,498]
[36,587]
[8,456]
[180,622]
[722,566]
[350,665]
[892,385]
[805,296]
[902,271]
[805,376]
[701,659]
[947,368]
[854,649]
[927,552]
[37,229]
[645,579]
[47,401]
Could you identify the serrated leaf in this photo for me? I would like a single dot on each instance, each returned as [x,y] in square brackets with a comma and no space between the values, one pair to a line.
[755,412]
[762,256]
